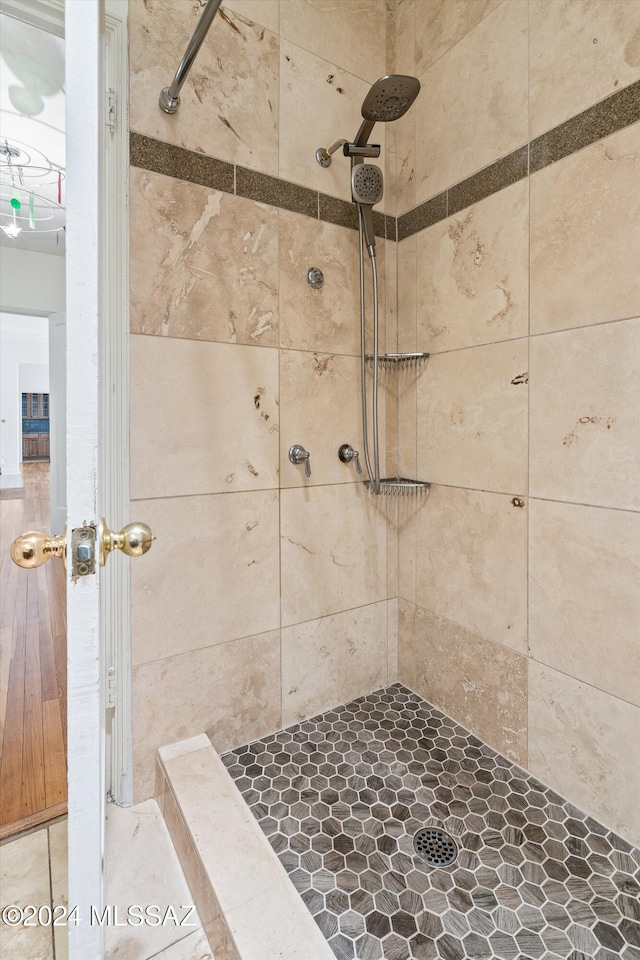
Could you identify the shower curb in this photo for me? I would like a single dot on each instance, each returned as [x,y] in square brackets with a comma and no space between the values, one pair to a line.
[248,907]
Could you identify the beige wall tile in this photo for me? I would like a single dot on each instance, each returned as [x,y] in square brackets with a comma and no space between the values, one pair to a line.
[406,37]
[349,34]
[392,640]
[473,104]
[473,562]
[332,660]
[584,569]
[407,412]
[472,418]
[265,12]
[333,550]
[319,408]
[441,23]
[319,104]
[183,438]
[212,575]
[585,418]
[583,742]
[327,319]
[231,690]
[204,263]
[473,274]
[229,103]
[580,53]
[407,538]
[585,235]
[480,684]
[405,156]
[407,295]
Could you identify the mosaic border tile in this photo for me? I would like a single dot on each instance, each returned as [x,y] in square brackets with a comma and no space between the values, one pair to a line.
[340,797]
[614,113]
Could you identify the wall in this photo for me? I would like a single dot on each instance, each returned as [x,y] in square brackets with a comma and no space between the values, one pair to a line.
[267,597]
[519,273]
[32,283]
[24,367]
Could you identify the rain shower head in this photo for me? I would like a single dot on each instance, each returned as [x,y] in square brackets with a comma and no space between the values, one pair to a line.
[367,187]
[390,97]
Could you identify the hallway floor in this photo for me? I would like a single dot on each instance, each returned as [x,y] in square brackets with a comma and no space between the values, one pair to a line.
[340,798]
[33,723]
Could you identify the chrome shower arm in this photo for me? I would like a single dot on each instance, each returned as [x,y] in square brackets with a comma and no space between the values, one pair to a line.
[170,96]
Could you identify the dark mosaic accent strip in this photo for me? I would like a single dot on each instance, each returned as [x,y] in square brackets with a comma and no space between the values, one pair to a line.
[160,157]
[423,216]
[341,795]
[616,112]
[278,193]
[333,210]
[496,177]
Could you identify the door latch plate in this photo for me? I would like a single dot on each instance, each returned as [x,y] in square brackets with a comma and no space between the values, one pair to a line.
[83,551]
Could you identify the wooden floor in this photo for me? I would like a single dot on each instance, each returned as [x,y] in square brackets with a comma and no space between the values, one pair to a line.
[33,721]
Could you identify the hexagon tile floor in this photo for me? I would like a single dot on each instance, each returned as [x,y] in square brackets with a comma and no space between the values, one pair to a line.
[341,796]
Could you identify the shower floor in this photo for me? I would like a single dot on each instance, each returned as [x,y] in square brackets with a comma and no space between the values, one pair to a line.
[341,796]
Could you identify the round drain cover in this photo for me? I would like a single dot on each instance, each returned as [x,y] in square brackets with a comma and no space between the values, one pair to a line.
[435,847]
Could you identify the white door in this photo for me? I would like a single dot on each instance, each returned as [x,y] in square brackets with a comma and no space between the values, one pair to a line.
[96,434]
[58,420]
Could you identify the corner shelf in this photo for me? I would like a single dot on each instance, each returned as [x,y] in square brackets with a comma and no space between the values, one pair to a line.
[398,359]
[400,487]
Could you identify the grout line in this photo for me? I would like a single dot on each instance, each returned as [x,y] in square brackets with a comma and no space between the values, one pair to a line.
[525,656]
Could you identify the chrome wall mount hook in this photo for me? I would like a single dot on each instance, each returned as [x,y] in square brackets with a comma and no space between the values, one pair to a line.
[297,455]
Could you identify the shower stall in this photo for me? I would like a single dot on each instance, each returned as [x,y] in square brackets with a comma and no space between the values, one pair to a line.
[380,728]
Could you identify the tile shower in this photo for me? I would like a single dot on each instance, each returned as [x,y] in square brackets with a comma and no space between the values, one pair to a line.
[509,238]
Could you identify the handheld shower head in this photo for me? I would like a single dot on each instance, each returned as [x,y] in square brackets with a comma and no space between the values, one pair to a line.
[367,187]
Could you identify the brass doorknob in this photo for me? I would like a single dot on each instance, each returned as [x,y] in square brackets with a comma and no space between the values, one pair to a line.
[34,548]
[134,540]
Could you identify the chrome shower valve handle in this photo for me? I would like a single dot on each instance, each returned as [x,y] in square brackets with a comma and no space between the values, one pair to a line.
[298,454]
[346,453]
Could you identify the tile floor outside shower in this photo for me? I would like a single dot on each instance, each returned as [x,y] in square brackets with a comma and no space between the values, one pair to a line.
[341,796]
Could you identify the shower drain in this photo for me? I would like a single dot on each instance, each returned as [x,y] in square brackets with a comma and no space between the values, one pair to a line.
[435,847]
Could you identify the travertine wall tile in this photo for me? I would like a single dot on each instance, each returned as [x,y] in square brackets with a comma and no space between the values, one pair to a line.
[351,34]
[213,576]
[320,408]
[473,562]
[585,236]
[328,319]
[580,53]
[584,571]
[229,102]
[265,12]
[230,691]
[481,684]
[585,417]
[333,550]
[204,264]
[333,660]
[320,103]
[182,437]
[472,418]
[406,37]
[582,743]
[473,274]
[440,24]
[473,104]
